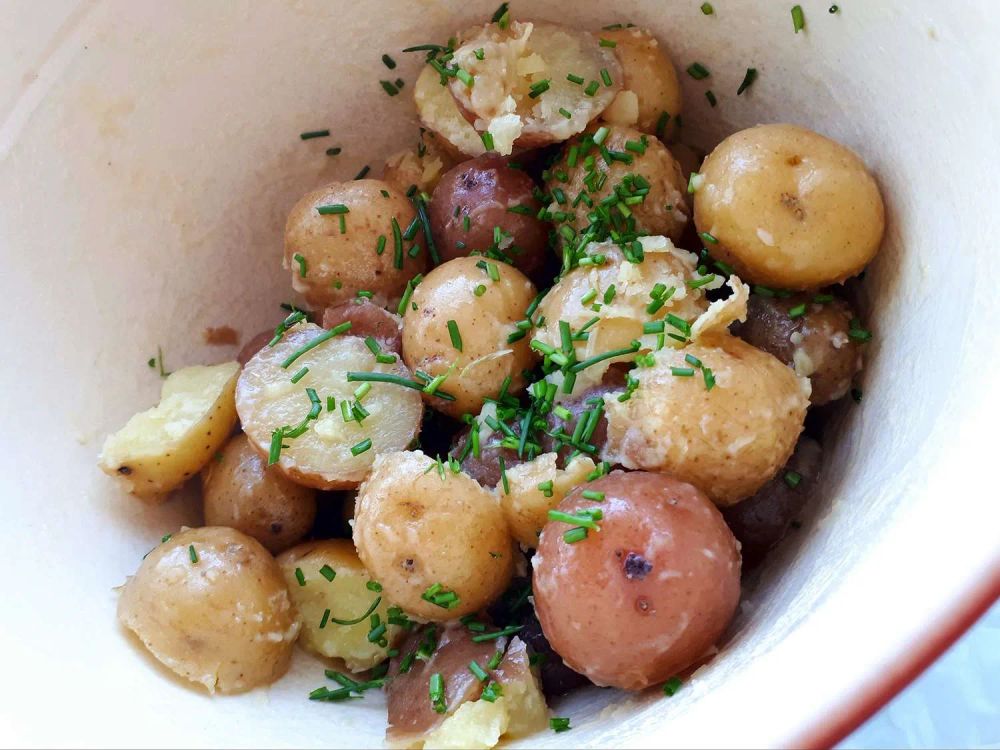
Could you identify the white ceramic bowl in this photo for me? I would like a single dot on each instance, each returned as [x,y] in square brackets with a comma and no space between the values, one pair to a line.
[149,153]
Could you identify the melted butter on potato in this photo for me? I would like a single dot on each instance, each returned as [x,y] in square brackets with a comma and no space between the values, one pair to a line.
[158,449]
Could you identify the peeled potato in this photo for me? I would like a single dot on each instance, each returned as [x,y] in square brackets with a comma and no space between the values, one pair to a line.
[211,605]
[307,569]
[439,112]
[650,79]
[526,506]
[521,56]
[727,441]
[158,449]
[322,456]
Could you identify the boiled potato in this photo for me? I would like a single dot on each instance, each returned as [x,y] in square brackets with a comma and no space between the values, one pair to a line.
[158,449]
[420,167]
[211,605]
[658,579]
[579,297]
[727,440]
[436,541]
[650,99]
[254,345]
[368,319]
[484,323]
[482,195]
[319,601]
[663,210]
[330,453]
[789,208]
[484,468]
[535,488]
[821,342]
[239,491]
[440,114]
[520,84]
[332,260]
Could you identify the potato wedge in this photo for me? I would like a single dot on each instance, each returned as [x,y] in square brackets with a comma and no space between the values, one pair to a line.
[307,569]
[330,452]
[439,113]
[520,90]
[158,449]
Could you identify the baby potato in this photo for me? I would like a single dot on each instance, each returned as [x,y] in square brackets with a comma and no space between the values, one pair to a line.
[334,256]
[328,583]
[641,159]
[623,289]
[368,319]
[239,491]
[659,579]
[822,342]
[159,449]
[421,166]
[253,346]
[449,331]
[789,208]
[436,541]
[439,112]
[484,468]
[318,447]
[476,198]
[520,89]
[535,488]
[650,99]
[729,439]
[212,606]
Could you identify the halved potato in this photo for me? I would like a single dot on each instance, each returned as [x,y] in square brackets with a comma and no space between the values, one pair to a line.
[158,449]
[330,453]
[520,92]
[438,111]
[535,488]
[308,569]
[421,166]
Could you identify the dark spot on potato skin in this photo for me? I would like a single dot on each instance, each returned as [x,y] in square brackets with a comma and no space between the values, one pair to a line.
[644,606]
[125,470]
[793,204]
[276,528]
[636,567]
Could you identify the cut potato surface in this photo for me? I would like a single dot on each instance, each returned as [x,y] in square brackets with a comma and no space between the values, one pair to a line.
[331,452]
[536,487]
[158,449]
[439,112]
[650,99]
[327,582]
[521,93]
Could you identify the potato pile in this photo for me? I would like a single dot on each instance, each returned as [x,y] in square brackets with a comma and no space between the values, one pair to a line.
[550,381]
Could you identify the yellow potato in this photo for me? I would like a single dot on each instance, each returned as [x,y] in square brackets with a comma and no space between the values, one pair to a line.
[330,453]
[421,166]
[436,541]
[649,77]
[520,84]
[318,599]
[727,441]
[526,507]
[240,491]
[620,321]
[789,208]
[663,210]
[329,265]
[211,605]
[483,324]
[158,449]
[439,113]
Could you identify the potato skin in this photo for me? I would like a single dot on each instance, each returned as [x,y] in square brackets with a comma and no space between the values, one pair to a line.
[816,345]
[728,441]
[422,166]
[347,597]
[789,208]
[350,259]
[526,507]
[664,211]
[253,346]
[368,319]
[240,492]
[650,76]
[224,621]
[484,323]
[414,528]
[483,189]
[660,581]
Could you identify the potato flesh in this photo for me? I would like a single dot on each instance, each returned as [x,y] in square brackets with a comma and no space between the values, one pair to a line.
[267,400]
[526,507]
[649,77]
[346,597]
[524,55]
[439,112]
[158,449]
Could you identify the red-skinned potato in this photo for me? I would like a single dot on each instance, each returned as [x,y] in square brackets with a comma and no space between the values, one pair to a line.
[474,198]
[659,581]
[368,319]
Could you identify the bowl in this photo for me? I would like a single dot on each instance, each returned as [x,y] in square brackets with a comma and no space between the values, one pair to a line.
[149,154]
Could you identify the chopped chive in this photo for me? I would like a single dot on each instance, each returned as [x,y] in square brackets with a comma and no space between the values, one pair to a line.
[192,553]
[358,448]
[793,479]
[389,87]
[334,151]
[609,295]
[436,686]
[480,53]
[682,372]
[389,62]
[509,630]
[328,573]
[374,586]
[709,377]
[456,336]
[503,476]
[479,673]
[303,268]
[566,113]
[364,171]
[606,77]
[362,618]
[601,135]
[578,80]
[857,395]
[309,134]
[748,79]
[710,239]
[671,686]
[465,77]
[798,311]
[538,88]
[324,619]
[559,724]
[609,43]
[487,138]
[707,9]
[546,488]
[333,208]
[653,326]
[822,299]
[834,9]
[698,71]
[710,95]
[692,360]
[798,18]
[480,290]
[323,337]
[592,495]
[300,576]
[661,124]
[591,88]
[495,660]
[300,374]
